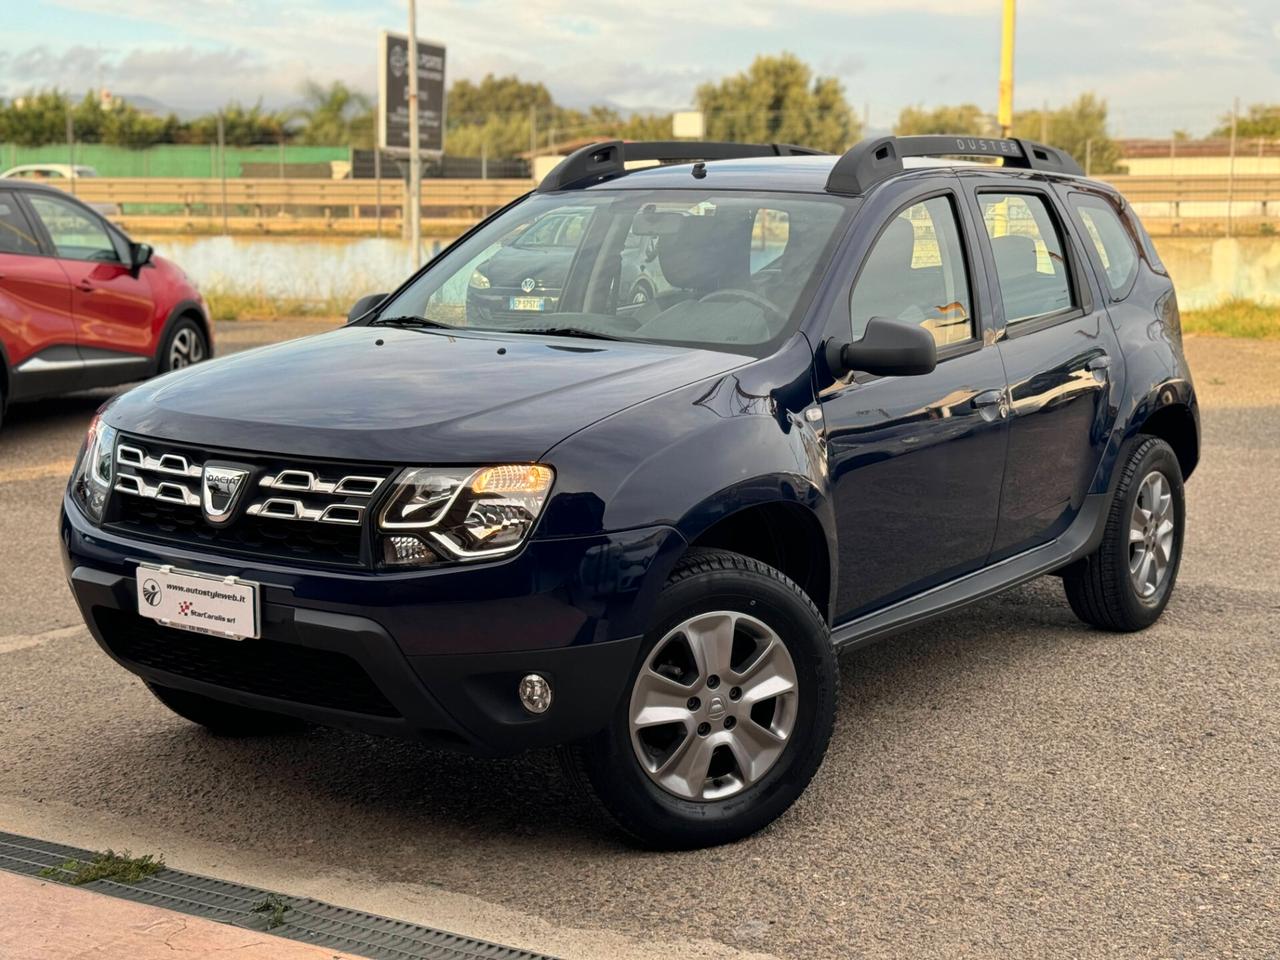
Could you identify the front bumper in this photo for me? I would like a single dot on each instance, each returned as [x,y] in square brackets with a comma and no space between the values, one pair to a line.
[430,654]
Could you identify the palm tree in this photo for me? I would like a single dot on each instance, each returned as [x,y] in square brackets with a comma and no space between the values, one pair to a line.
[334,115]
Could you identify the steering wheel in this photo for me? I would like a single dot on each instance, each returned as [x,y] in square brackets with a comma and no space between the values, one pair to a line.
[750,296]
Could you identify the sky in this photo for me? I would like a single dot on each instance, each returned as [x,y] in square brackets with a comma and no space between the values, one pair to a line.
[1160,65]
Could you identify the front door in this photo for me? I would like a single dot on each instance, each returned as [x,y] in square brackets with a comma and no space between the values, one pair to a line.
[1062,359]
[36,328]
[113,307]
[916,462]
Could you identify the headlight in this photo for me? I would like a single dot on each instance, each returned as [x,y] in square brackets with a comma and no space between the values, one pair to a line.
[442,514]
[91,480]
[478,281]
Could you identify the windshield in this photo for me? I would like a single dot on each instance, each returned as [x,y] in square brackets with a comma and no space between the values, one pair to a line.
[726,270]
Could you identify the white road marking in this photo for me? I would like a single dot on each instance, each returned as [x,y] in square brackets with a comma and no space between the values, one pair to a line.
[22,641]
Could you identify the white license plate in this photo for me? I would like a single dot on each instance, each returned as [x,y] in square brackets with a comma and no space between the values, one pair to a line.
[222,606]
[527,303]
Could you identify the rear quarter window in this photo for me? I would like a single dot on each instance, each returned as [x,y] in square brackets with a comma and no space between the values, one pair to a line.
[1113,245]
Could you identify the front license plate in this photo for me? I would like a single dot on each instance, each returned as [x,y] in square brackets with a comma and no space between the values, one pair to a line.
[222,606]
[527,303]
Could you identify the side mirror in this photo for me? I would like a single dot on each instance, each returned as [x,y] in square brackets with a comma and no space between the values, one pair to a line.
[888,348]
[140,255]
[364,305]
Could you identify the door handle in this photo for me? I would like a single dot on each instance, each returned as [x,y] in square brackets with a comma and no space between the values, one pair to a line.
[1099,363]
[85,286]
[991,404]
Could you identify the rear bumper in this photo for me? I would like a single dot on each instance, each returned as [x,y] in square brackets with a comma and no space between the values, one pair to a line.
[435,655]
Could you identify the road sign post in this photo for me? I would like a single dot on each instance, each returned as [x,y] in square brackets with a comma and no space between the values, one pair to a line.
[397,118]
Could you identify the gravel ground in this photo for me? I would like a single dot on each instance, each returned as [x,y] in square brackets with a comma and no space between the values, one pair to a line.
[1003,781]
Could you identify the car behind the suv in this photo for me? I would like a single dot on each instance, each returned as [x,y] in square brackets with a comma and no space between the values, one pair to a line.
[82,305]
[642,530]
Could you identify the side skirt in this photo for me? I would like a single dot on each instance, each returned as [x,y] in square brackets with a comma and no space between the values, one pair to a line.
[1079,540]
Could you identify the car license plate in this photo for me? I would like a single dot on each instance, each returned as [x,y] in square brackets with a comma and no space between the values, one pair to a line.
[527,303]
[221,606]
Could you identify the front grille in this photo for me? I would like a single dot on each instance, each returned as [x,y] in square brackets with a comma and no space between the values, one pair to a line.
[311,511]
[269,668]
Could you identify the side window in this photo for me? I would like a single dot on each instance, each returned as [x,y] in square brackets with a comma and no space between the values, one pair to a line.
[916,272]
[1030,265]
[16,235]
[76,235]
[1112,242]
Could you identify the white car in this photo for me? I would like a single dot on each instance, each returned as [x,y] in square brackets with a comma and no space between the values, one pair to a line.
[60,171]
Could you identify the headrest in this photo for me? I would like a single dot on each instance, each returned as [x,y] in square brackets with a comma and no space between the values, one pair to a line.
[1015,256]
[707,253]
[896,247]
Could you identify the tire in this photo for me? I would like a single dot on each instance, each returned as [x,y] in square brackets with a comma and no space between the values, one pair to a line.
[1104,589]
[761,608]
[184,345]
[224,719]
[642,292]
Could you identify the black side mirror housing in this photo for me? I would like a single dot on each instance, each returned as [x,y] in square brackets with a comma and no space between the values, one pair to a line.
[888,348]
[140,255]
[364,305]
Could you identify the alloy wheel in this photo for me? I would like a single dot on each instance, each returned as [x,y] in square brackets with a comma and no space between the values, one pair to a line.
[1151,535]
[713,706]
[187,348]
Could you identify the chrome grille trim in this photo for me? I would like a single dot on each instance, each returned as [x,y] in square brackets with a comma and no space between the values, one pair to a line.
[285,508]
[166,490]
[304,481]
[171,463]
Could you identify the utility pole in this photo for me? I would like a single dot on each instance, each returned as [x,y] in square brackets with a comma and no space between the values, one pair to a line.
[1231,169]
[1005,113]
[415,144]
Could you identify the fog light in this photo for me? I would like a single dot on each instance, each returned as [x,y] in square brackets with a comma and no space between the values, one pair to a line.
[535,693]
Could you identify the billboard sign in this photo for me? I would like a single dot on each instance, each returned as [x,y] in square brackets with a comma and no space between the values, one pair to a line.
[393,93]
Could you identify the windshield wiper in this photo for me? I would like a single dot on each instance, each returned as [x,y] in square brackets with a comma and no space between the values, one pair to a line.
[409,322]
[565,332]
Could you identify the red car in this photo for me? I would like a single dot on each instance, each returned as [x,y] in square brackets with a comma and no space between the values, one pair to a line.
[81,305]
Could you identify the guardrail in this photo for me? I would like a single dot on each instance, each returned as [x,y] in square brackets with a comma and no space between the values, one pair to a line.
[1172,204]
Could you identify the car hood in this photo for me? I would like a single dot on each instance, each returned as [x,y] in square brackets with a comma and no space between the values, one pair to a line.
[409,395]
[545,266]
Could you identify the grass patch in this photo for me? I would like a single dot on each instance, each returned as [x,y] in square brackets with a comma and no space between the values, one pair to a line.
[1235,318]
[246,306]
[274,908]
[119,867]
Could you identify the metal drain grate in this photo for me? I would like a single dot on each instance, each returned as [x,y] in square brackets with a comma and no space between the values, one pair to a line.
[310,921]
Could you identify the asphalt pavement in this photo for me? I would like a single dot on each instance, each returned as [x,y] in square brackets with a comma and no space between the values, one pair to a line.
[1003,782]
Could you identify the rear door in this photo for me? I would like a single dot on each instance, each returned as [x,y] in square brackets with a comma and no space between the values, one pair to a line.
[36,327]
[113,307]
[1060,354]
[915,462]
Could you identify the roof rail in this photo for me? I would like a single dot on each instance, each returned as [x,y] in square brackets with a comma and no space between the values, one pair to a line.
[599,161]
[873,160]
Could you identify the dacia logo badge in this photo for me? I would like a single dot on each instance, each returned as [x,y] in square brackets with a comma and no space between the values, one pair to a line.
[527,284]
[220,490]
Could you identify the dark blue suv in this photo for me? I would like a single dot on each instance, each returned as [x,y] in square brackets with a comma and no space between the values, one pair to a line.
[872,388]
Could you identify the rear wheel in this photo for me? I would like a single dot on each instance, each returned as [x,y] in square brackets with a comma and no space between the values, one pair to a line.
[731,706]
[224,719]
[185,345]
[1126,584]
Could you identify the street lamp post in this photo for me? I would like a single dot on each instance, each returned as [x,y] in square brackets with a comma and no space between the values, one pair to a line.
[1005,112]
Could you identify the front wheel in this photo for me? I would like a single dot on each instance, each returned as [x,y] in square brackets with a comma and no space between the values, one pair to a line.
[186,344]
[1126,583]
[731,705]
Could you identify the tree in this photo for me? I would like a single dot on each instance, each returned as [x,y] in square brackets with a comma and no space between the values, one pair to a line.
[35,118]
[966,118]
[334,115]
[1080,128]
[778,100]
[241,126]
[1261,120]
